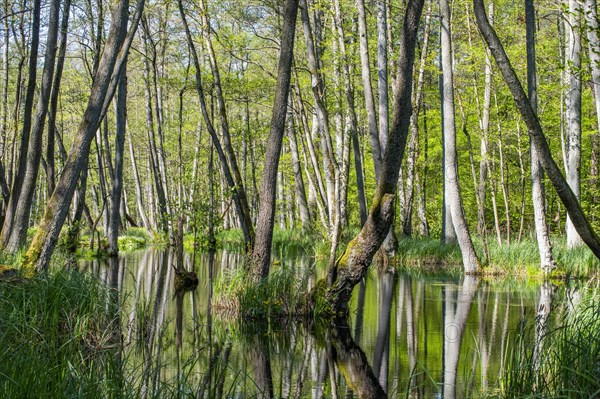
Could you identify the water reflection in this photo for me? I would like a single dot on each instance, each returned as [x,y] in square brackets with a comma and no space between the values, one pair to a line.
[408,335]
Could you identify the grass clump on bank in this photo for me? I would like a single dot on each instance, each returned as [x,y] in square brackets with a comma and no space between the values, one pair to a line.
[58,337]
[280,296]
[566,362]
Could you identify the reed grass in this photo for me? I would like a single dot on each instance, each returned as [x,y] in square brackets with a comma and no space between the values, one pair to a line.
[277,297]
[567,363]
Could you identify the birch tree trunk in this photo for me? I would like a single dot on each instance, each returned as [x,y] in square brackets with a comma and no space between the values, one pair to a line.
[469,257]
[573,113]
[367,88]
[547,261]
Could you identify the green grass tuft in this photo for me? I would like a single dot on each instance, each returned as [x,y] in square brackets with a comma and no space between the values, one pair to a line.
[568,365]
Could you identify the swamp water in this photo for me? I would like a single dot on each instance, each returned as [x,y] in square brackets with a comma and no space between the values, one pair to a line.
[408,334]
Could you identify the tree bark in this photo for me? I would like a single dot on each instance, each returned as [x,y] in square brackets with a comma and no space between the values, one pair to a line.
[352,266]
[117,180]
[52,110]
[44,241]
[376,148]
[17,183]
[261,254]
[566,195]
[20,223]
[469,257]
[547,261]
[573,114]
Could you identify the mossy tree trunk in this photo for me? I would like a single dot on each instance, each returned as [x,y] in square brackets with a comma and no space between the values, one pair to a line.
[352,266]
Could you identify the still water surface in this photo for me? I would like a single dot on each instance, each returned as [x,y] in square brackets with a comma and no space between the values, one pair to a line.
[408,334]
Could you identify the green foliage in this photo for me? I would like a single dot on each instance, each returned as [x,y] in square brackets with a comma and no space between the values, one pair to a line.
[134,238]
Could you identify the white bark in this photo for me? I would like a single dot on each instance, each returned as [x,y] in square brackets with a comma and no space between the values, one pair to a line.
[573,114]
[470,260]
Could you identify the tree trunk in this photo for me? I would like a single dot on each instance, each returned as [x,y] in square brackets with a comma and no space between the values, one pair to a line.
[376,149]
[17,184]
[573,114]
[139,197]
[352,266]
[298,179]
[469,257]
[20,224]
[413,144]
[52,110]
[44,241]
[547,261]
[568,198]
[117,180]
[322,116]
[261,254]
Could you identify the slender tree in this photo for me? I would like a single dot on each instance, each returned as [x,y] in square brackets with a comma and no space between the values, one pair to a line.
[114,210]
[547,261]
[19,178]
[452,187]
[261,254]
[573,112]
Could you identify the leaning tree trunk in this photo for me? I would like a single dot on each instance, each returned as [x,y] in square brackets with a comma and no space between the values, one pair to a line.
[352,266]
[566,195]
[44,241]
[547,261]
[469,257]
[261,254]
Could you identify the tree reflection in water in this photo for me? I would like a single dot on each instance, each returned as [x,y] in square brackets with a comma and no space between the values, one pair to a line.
[418,336]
